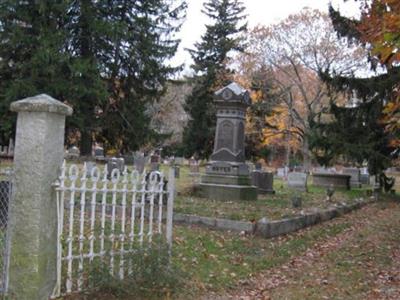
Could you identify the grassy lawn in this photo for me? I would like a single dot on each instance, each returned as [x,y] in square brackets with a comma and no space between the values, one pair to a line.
[273,207]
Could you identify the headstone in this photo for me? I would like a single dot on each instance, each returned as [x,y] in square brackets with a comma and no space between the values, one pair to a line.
[331,180]
[297,201]
[298,169]
[264,181]
[139,163]
[372,180]
[11,148]
[252,166]
[280,172]
[154,166]
[115,163]
[297,181]
[322,170]
[194,168]
[364,179]
[179,161]
[89,167]
[177,171]
[99,153]
[4,150]
[154,159]
[128,159]
[355,176]
[73,152]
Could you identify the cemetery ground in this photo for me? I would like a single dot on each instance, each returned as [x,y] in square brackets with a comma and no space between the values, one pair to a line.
[356,256]
[351,257]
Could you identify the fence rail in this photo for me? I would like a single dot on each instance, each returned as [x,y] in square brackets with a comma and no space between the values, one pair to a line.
[108,215]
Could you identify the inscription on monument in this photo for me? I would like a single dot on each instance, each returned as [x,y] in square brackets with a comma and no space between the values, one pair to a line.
[225,135]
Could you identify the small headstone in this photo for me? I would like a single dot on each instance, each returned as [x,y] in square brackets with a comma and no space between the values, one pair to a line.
[321,170]
[177,170]
[128,160]
[252,167]
[11,148]
[139,163]
[115,163]
[372,180]
[329,193]
[154,166]
[194,168]
[3,150]
[89,167]
[298,169]
[120,164]
[154,159]
[73,152]
[355,176]
[99,153]
[264,181]
[280,172]
[179,161]
[297,201]
[364,179]
[297,181]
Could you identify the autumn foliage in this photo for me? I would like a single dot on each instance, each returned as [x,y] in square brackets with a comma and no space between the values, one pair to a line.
[380,28]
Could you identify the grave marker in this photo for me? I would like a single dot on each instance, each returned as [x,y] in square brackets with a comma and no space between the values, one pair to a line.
[298,181]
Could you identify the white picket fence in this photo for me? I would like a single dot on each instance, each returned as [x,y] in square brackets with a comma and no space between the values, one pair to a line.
[108,216]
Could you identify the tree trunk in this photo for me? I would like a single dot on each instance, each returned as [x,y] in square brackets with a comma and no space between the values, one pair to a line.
[86,142]
[306,155]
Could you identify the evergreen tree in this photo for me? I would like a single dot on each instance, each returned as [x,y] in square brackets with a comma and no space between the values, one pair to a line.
[105,58]
[87,45]
[357,133]
[142,40]
[211,58]
[32,56]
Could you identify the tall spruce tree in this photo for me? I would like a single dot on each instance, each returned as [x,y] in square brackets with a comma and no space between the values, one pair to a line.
[142,40]
[211,58]
[32,56]
[357,133]
[105,58]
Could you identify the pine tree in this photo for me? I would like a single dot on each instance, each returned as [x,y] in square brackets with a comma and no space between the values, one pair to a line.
[105,58]
[357,133]
[87,46]
[32,56]
[211,57]
[142,39]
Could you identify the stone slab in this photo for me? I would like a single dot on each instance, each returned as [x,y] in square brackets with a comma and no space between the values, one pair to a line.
[328,180]
[264,181]
[226,180]
[297,181]
[228,192]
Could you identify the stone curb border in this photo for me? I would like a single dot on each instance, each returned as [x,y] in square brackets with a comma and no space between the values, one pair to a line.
[269,229]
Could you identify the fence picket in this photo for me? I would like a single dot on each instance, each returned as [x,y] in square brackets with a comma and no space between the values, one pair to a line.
[104,205]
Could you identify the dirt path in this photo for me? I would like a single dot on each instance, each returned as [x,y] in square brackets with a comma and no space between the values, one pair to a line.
[362,262]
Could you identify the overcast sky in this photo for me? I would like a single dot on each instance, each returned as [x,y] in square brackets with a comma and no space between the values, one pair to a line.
[263,12]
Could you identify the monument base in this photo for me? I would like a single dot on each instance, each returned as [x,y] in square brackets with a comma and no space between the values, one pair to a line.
[227,181]
[228,192]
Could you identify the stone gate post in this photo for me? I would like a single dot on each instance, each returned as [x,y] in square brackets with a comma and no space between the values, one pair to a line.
[32,230]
